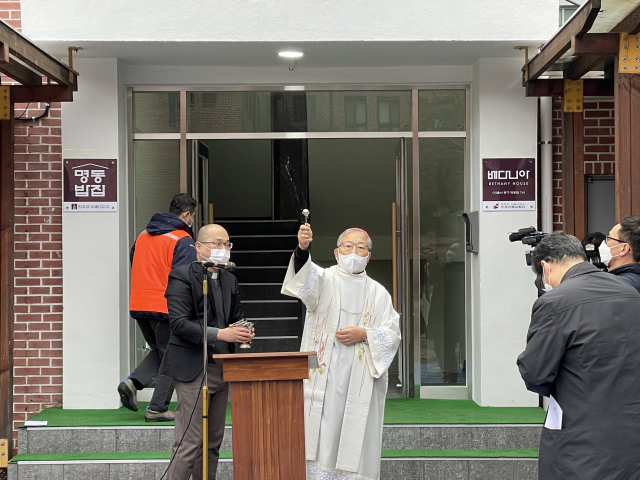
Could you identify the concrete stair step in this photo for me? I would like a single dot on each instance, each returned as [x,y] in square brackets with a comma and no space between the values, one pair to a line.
[262,227]
[271,308]
[264,242]
[262,291]
[158,438]
[261,258]
[419,468]
[266,344]
[257,274]
[284,326]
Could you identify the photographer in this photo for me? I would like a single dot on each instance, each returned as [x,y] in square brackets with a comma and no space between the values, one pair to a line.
[621,251]
[583,348]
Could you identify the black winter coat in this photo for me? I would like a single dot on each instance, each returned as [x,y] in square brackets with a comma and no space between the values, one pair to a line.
[629,273]
[583,347]
[183,358]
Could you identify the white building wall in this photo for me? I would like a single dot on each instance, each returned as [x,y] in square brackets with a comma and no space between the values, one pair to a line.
[91,253]
[162,75]
[288,20]
[504,125]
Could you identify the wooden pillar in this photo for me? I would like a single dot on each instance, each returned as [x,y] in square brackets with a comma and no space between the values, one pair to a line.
[573,208]
[6,278]
[627,143]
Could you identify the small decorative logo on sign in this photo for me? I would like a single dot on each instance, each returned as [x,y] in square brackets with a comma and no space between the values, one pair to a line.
[509,184]
[90,185]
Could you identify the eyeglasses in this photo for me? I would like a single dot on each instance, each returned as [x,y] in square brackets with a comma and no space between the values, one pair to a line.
[348,247]
[227,245]
[613,238]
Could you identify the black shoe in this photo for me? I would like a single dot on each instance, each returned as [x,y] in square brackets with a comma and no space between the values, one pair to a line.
[128,395]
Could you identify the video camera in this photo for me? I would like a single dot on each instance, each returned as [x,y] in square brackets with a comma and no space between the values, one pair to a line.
[528,236]
[532,237]
[591,245]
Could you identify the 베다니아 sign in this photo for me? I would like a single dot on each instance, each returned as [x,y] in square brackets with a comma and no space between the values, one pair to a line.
[508,184]
[90,185]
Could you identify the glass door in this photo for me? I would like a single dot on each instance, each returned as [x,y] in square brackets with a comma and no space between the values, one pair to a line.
[349,155]
[200,184]
[442,314]
[402,288]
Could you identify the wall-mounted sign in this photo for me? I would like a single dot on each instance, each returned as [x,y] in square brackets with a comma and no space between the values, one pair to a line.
[508,184]
[90,185]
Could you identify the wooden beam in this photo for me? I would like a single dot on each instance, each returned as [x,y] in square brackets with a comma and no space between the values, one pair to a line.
[631,24]
[578,68]
[6,279]
[44,93]
[577,25]
[627,144]
[20,73]
[603,44]
[582,65]
[593,87]
[634,127]
[573,205]
[35,57]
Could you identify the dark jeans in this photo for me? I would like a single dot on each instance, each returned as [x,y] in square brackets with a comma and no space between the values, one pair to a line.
[156,334]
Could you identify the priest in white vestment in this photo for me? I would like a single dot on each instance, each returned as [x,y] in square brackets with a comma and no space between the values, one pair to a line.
[352,325]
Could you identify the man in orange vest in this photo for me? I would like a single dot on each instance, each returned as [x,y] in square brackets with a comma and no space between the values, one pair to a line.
[165,244]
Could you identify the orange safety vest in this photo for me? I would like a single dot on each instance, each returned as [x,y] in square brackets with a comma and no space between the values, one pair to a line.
[150,270]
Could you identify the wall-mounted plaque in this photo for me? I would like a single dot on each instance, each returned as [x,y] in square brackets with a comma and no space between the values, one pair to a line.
[508,184]
[90,185]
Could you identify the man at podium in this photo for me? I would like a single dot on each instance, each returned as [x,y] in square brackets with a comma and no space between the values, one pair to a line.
[352,325]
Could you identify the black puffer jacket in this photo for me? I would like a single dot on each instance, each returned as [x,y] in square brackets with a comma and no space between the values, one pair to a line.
[629,273]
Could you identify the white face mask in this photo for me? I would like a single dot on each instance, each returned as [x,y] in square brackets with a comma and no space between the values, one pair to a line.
[605,252]
[352,263]
[219,255]
[547,286]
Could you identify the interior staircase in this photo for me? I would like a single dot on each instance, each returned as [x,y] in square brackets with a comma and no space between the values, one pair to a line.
[262,250]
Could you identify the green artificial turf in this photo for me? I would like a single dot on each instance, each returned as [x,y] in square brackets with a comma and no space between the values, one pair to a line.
[460,453]
[398,411]
[402,411]
[57,457]
[121,417]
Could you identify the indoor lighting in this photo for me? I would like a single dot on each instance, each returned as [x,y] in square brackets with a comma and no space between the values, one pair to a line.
[290,54]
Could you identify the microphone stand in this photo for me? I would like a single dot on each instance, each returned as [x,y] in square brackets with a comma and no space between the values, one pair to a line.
[205,386]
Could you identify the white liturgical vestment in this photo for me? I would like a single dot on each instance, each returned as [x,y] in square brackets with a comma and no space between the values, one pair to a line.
[344,398]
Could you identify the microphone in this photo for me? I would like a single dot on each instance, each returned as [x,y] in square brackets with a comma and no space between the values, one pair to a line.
[230,266]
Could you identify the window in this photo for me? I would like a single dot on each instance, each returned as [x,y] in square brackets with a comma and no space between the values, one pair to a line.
[389,114]
[566,13]
[209,98]
[355,114]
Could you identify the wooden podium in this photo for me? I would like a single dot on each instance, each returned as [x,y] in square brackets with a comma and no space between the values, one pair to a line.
[267,411]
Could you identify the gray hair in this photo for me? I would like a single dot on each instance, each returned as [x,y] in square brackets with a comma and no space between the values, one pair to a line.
[356,230]
[557,248]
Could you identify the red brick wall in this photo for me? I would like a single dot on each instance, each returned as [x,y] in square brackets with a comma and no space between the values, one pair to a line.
[38,254]
[10,13]
[38,264]
[599,146]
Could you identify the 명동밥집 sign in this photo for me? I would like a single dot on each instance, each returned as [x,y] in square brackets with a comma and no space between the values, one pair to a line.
[90,185]
[508,184]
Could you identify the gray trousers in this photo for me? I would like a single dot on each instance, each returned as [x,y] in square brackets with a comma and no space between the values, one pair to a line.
[187,460]
[156,334]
